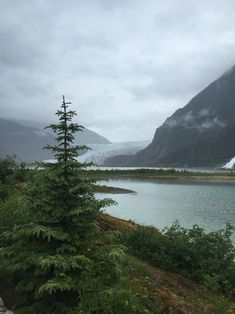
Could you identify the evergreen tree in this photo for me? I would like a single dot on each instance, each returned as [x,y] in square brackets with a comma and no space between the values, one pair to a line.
[61,261]
[7,167]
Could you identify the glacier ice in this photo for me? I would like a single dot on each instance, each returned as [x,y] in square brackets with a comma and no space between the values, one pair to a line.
[230,164]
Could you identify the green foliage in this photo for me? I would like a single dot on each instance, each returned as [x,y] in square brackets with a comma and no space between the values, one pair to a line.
[7,166]
[138,173]
[8,210]
[223,306]
[21,172]
[10,174]
[114,301]
[205,257]
[52,249]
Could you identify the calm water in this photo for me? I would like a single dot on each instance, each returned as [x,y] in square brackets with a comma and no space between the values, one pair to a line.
[209,204]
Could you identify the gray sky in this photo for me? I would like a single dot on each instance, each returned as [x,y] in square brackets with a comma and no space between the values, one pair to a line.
[125,64]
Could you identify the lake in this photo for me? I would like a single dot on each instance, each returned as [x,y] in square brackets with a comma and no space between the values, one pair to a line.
[160,202]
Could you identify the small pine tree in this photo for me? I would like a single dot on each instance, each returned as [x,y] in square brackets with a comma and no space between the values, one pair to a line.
[56,254]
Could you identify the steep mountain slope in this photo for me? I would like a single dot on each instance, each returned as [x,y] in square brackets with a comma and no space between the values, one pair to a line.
[90,137]
[200,134]
[26,142]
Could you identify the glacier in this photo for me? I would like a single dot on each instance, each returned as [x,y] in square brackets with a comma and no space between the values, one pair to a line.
[99,152]
[230,164]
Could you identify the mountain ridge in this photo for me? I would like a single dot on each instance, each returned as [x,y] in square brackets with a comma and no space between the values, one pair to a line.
[26,142]
[199,134]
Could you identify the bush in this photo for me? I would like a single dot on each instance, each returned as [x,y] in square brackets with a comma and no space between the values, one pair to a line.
[207,258]
[222,306]
[7,166]
[10,174]
[21,172]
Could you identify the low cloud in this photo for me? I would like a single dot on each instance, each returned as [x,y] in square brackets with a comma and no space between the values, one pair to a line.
[201,121]
[214,123]
[125,65]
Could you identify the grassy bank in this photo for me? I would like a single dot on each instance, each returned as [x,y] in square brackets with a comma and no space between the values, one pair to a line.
[112,190]
[159,174]
[177,293]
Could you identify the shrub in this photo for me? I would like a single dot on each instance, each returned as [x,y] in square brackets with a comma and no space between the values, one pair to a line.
[207,258]
[7,166]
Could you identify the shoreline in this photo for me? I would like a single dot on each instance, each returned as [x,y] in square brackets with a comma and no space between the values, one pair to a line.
[159,175]
[104,189]
[206,178]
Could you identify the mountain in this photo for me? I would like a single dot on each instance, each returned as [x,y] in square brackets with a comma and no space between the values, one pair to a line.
[85,137]
[90,137]
[26,142]
[200,134]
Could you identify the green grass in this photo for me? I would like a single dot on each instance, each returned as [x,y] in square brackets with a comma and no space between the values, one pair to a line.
[145,173]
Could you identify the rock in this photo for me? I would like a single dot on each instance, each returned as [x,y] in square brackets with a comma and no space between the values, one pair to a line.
[3,309]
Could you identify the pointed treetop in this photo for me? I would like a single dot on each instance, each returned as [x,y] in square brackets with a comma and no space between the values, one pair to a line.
[64,104]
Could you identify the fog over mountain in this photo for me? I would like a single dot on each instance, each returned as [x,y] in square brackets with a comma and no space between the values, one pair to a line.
[199,134]
[126,65]
[27,142]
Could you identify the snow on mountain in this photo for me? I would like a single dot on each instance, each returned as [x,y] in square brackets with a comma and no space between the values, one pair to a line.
[230,164]
[99,152]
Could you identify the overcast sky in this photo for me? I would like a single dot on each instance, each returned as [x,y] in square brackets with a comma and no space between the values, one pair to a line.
[126,65]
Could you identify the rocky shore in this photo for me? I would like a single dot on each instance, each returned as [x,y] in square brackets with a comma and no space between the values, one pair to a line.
[3,309]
